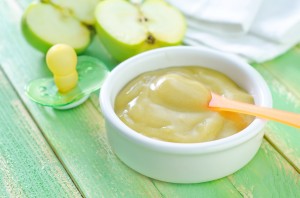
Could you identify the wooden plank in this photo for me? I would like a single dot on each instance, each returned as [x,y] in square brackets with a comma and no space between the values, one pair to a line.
[219,188]
[77,136]
[28,167]
[281,178]
[260,177]
[283,77]
[267,175]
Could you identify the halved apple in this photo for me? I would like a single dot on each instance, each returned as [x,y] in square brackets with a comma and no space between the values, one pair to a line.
[46,24]
[126,29]
[83,10]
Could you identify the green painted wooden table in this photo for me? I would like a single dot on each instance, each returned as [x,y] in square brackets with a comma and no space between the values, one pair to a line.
[52,153]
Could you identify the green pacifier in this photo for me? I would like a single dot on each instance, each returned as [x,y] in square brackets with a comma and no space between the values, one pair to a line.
[74,79]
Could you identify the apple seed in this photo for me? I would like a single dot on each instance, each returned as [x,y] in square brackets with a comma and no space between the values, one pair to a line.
[150,39]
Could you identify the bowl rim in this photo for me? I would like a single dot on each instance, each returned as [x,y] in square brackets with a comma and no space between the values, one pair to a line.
[183,148]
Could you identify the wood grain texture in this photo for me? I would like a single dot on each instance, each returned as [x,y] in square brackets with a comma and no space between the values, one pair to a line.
[283,77]
[78,137]
[219,188]
[262,177]
[28,166]
[267,175]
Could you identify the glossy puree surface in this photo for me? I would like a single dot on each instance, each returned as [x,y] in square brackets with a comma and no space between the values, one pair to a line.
[170,105]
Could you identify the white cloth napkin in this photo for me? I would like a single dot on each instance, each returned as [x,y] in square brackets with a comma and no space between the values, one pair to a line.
[230,16]
[257,30]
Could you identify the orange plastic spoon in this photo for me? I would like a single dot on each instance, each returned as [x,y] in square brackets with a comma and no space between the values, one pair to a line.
[219,103]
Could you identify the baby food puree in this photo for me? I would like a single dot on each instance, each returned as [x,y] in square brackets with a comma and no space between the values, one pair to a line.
[170,105]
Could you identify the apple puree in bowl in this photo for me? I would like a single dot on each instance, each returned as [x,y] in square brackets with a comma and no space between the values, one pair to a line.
[169,105]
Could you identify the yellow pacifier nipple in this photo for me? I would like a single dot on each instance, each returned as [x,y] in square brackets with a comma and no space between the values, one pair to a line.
[62,60]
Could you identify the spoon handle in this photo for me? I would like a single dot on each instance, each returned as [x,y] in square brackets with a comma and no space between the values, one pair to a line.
[219,103]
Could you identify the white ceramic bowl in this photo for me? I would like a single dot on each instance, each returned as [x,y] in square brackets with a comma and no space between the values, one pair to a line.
[183,162]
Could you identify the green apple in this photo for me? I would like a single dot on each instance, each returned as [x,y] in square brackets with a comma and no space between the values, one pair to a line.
[82,9]
[126,29]
[47,23]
